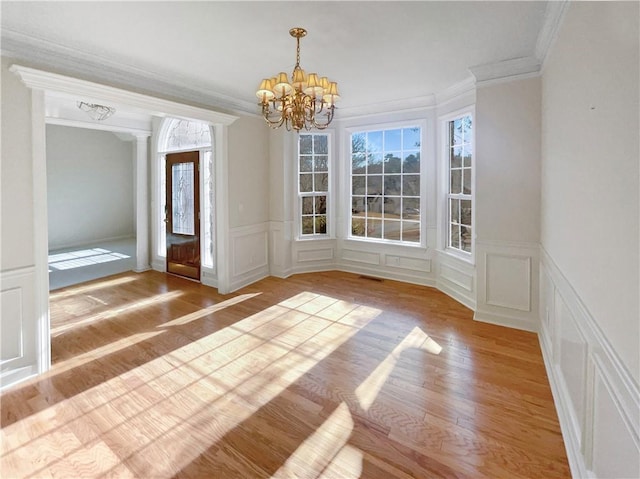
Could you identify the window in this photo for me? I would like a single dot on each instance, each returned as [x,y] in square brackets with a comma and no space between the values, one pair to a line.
[385,184]
[460,201]
[313,183]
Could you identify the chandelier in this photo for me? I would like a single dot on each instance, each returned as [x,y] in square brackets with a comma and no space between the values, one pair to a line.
[95,111]
[308,101]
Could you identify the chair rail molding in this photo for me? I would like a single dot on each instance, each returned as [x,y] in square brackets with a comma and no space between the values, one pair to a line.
[597,399]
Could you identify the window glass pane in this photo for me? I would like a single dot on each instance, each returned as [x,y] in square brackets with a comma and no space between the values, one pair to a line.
[411,209]
[358,163]
[457,132]
[306,164]
[374,185]
[467,154]
[454,209]
[321,163]
[411,163]
[466,238]
[307,225]
[392,184]
[392,162]
[466,126]
[357,207]
[456,182]
[467,181]
[392,179]
[321,145]
[374,163]
[411,185]
[465,212]
[456,157]
[455,236]
[358,143]
[358,227]
[374,228]
[392,140]
[411,231]
[182,201]
[183,134]
[374,141]
[392,207]
[321,225]
[321,182]
[306,142]
[392,230]
[374,205]
[306,182]
[411,138]
[321,205]
[307,205]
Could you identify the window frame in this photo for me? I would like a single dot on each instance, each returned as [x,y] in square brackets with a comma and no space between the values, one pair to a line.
[348,183]
[445,121]
[299,195]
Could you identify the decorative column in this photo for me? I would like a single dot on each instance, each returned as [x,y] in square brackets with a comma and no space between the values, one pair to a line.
[142,204]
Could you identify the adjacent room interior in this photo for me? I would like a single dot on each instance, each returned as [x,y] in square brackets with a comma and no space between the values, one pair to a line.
[425,264]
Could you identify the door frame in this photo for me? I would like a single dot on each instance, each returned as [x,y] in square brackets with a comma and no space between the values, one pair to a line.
[42,83]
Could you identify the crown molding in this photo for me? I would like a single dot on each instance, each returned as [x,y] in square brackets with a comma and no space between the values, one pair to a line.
[392,106]
[455,91]
[512,69]
[73,87]
[553,17]
[70,61]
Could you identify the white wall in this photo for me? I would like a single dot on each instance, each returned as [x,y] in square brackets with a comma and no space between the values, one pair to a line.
[507,202]
[590,242]
[508,161]
[248,183]
[17,181]
[18,321]
[89,186]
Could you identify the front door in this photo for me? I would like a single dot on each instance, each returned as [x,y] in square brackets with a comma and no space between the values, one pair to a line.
[182,214]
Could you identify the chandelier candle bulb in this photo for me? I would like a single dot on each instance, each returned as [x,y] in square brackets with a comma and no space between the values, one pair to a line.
[307,101]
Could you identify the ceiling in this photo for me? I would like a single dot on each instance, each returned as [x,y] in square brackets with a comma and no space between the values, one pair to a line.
[216,53]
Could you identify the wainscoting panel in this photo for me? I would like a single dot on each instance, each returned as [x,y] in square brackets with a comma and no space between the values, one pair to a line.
[316,254]
[249,249]
[508,284]
[597,400]
[357,256]
[18,326]
[456,278]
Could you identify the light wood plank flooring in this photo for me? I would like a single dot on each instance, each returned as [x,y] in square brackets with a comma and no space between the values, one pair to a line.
[320,375]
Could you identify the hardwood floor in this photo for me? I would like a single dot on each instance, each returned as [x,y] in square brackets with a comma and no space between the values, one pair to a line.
[320,375]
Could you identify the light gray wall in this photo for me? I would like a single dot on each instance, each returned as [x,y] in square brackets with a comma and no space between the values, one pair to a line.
[590,151]
[508,161]
[89,186]
[16,172]
[248,172]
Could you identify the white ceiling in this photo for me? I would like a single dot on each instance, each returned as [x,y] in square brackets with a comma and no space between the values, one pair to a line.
[377,51]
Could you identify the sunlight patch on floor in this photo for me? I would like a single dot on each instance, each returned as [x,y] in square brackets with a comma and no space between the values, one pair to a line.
[73,290]
[369,389]
[192,396]
[201,313]
[325,450]
[83,257]
[111,313]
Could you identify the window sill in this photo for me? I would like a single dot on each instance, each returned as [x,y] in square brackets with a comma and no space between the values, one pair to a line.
[386,243]
[459,255]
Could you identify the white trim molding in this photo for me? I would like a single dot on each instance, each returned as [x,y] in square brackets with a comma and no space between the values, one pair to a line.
[597,399]
[506,70]
[507,275]
[553,17]
[249,253]
[19,346]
